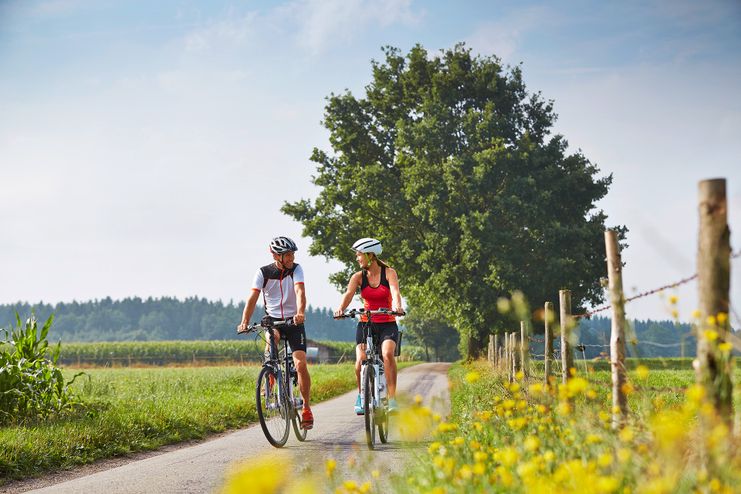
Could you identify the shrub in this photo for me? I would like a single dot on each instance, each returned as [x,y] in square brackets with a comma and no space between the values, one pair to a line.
[31,384]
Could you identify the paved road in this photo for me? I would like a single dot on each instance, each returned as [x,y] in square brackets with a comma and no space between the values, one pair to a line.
[337,434]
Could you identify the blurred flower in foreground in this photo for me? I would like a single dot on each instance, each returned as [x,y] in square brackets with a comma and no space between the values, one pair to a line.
[267,476]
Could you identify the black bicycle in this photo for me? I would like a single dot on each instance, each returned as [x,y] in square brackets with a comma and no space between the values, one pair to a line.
[373,389]
[277,397]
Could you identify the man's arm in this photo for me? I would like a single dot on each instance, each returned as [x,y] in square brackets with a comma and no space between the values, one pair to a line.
[249,308]
[301,302]
[352,287]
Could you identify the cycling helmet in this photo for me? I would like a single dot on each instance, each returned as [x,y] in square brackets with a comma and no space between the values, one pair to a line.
[281,245]
[366,245]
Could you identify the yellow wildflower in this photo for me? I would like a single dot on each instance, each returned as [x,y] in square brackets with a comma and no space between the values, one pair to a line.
[473,376]
[330,465]
[626,434]
[532,443]
[642,372]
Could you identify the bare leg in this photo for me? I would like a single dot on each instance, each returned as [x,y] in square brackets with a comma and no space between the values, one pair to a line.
[359,357]
[304,380]
[389,364]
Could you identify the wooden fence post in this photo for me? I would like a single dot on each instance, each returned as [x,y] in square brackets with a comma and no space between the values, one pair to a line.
[509,363]
[617,338]
[524,350]
[496,349]
[548,345]
[567,354]
[714,370]
[490,349]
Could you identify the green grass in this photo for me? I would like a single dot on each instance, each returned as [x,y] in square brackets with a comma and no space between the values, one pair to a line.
[128,410]
[503,438]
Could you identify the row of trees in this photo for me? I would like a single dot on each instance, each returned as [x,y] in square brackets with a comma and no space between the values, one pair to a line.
[452,164]
[163,318]
[136,319]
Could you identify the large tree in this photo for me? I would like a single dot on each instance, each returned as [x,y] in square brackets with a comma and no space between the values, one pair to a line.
[452,164]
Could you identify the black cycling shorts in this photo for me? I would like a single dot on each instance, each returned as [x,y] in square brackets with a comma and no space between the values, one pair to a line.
[383,330]
[296,336]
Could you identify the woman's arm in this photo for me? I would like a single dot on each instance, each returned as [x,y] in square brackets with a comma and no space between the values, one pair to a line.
[352,287]
[393,279]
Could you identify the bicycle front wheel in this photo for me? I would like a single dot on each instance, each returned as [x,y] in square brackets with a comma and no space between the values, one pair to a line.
[272,409]
[369,381]
[383,421]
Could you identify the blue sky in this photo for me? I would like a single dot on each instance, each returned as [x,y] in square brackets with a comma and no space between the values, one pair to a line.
[146,147]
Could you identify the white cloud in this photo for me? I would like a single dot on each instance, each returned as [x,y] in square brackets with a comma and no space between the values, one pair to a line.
[322,23]
[230,32]
[503,36]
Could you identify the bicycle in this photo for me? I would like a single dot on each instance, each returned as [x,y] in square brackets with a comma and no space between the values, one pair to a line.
[372,379]
[277,395]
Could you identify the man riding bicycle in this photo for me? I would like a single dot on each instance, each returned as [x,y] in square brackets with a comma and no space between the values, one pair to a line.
[282,286]
[379,288]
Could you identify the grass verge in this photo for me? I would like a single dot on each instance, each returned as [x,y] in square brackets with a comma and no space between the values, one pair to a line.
[522,437]
[129,410]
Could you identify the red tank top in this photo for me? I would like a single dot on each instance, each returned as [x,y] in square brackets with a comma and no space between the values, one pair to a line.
[376,297]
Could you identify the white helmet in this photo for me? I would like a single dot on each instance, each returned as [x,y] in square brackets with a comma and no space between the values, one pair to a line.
[281,245]
[366,245]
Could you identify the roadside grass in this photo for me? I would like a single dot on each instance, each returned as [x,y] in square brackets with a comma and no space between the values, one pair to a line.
[521,437]
[127,410]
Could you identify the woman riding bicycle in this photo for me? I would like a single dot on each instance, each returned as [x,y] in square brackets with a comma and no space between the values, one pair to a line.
[379,288]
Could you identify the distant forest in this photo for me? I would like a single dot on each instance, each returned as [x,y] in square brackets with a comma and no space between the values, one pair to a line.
[166,318]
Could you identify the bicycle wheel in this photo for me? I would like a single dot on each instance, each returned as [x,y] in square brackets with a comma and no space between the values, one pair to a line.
[296,415]
[271,409]
[382,420]
[368,406]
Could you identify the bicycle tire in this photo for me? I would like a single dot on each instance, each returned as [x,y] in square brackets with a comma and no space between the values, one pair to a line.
[368,408]
[298,431]
[271,410]
[383,421]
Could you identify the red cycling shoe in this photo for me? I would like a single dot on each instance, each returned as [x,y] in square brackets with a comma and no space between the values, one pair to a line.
[307,419]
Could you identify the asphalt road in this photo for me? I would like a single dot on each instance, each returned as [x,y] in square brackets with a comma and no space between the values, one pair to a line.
[201,468]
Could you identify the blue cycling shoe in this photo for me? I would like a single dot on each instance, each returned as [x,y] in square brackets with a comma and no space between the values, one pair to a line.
[359,406]
[393,406]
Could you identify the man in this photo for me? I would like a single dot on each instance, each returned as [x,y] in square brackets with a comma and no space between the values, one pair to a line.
[282,286]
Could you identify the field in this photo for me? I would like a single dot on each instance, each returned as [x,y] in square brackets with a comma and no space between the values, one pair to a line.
[127,410]
[194,353]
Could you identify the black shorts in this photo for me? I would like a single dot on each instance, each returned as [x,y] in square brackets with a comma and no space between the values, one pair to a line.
[296,336]
[382,330]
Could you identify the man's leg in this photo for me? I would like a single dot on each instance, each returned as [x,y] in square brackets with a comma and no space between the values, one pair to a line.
[304,380]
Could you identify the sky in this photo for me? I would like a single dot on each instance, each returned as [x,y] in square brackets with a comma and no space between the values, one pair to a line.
[146,147]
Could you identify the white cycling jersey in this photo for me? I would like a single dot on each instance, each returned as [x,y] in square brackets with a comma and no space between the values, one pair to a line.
[277,286]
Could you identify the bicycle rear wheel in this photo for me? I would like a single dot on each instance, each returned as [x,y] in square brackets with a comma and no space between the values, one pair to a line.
[296,415]
[368,406]
[272,410]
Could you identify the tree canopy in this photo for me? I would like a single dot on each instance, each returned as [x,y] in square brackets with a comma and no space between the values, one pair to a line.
[452,164]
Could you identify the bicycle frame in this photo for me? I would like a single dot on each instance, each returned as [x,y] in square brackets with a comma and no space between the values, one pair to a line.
[285,371]
[375,403]
[277,383]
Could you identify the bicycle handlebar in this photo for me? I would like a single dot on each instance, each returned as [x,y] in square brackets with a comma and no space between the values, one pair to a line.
[368,312]
[266,325]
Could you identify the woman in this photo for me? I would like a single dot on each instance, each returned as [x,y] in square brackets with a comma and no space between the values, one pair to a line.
[379,289]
